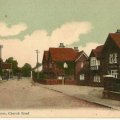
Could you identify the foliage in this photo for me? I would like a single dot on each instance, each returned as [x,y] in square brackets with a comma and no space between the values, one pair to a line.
[69,70]
[26,70]
[14,64]
[41,75]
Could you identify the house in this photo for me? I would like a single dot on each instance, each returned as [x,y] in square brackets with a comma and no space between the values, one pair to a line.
[111,55]
[62,63]
[83,75]
[111,66]
[95,67]
[6,70]
[81,68]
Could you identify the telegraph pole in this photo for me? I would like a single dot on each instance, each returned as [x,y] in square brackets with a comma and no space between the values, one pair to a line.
[1,46]
[37,52]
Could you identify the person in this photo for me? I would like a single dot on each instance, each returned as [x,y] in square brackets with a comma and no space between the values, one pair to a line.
[7,75]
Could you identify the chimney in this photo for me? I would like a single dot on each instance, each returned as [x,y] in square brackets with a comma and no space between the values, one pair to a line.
[76,49]
[61,45]
[118,31]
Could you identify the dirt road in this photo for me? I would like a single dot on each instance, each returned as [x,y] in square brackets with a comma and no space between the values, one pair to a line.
[23,94]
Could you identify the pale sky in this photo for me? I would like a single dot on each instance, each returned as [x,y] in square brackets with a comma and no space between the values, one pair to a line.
[27,25]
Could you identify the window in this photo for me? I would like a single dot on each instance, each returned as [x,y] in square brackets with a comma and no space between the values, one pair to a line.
[82,64]
[113,58]
[60,77]
[96,78]
[94,61]
[65,65]
[114,73]
[82,77]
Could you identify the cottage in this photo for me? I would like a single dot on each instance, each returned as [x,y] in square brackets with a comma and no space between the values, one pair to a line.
[81,68]
[95,67]
[62,63]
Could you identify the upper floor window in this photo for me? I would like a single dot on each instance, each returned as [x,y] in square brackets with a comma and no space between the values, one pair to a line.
[113,58]
[94,61]
[65,65]
[82,64]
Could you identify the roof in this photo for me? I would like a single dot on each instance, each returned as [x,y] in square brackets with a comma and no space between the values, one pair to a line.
[6,66]
[116,38]
[97,51]
[63,54]
[79,54]
[45,56]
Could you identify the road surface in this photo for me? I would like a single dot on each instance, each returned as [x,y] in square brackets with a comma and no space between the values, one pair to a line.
[23,94]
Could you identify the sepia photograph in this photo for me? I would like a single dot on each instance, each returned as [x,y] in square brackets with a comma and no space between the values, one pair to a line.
[60,58]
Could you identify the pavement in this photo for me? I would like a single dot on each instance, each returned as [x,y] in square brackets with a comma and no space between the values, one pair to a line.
[90,94]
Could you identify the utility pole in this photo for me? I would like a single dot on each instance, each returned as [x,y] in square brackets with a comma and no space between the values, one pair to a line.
[1,46]
[37,52]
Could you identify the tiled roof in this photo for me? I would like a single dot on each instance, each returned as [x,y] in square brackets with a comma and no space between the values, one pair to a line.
[63,54]
[116,38]
[6,66]
[79,53]
[97,51]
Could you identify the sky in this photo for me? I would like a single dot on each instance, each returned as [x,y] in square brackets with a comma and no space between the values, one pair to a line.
[27,25]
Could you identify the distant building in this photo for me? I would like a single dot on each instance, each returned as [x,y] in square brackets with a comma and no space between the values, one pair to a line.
[6,70]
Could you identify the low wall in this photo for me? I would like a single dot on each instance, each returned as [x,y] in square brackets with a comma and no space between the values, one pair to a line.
[55,81]
[111,95]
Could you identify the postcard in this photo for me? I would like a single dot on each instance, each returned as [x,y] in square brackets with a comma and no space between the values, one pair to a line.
[59,58]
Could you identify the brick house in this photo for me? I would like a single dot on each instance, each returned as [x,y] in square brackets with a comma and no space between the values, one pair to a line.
[95,67]
[81,68]
[83,75]
[111,66]
[62,63]
[111,55]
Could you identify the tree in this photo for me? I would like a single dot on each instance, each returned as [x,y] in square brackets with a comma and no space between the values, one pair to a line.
[14,64]
[1,61]
[26,70]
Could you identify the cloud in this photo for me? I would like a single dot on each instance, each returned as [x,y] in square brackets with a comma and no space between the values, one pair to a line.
[11,31]
[70,32]
[88,47]
[24,51]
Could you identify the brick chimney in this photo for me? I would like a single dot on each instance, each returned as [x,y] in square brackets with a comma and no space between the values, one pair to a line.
[118,31]
[61,45]
[76,49]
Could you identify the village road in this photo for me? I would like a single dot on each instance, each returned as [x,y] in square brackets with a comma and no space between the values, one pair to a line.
[21,94]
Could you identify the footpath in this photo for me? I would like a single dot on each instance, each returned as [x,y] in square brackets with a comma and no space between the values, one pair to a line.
[87,93]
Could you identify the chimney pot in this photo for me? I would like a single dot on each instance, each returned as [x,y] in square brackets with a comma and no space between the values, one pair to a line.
[76,49]
[118,31]
[61,45]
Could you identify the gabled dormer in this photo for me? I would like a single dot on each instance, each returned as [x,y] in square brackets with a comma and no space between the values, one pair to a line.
[94,58]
